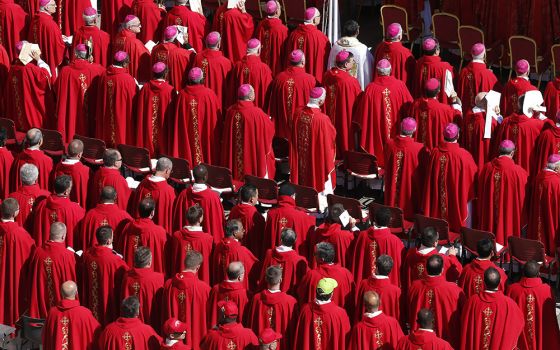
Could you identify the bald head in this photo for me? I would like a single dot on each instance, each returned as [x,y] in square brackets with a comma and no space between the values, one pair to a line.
[75,149]
[425,319]
[372,300]
[108,195]
[33,137]
[236,271]
[68,290]
[58,232]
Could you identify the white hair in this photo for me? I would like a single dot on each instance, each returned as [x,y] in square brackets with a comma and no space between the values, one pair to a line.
[384,71]
[28,173]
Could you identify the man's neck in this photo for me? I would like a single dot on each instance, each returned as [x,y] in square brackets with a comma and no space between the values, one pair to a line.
[191,271]
[275,288]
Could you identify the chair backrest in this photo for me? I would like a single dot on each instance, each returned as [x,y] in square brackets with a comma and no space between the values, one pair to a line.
[446,27]
[52,141]
[294,10]
[394,14]
[93,148]
[254,8]
[360,163]
[219,177]
[353,206]
[306,197]
[468,36]
[135,157]
[397,216]
[470,238]
[522,47]
[555,53]
[32,329]
[181,169]
[281,147]
[268,189]
[10,127]
[441,226]
[523,250]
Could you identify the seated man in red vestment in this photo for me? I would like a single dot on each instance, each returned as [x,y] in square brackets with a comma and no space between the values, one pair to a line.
[536,301]
[100,40]
[473,126]
[34,155]
[251,219]
[185,297]
[110,175]
[70,325]
[79,173]
[424,337]
[175,333]
[516,87]
[182,15]
[29,195]
[491,320]
[402,60]
[146,284]
[236,27]
[272,34]
[376,329]
[322,324]
[128,332]
[126,40]
[272,308]
[431,66]
[231,288]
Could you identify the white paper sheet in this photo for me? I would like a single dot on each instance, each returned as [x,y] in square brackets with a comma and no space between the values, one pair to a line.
[344,218]
[449,88]
[150,45]
[492,101]
[196,6]
[25,53]
[231,4]
[532,103]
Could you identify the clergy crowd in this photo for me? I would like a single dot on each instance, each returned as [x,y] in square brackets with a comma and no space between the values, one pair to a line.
[102,261]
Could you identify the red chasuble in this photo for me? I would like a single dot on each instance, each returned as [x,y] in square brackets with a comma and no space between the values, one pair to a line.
[227,251]
[379,110]
[491,320]
[231,335]
[389,293]
[147,285]
[472,277]
[314,44]
[51,265]
[4,69]
[16,246]
[76,91]
[151,16]
[402,61]
[216,70]
[236,29]
[510,95]
[343,294]
[6,160]
[475,78]
[523,131]
[44,31]
[421,339]
[272,34]
[274,310]
[178,61]
[80,179]
[432,117]
[377,332]
[115,102]
[544,206]
[322,327]
[369,245]
[247,142]
[185,297]
[114,13]
[56,208]
[403,176]
[313,148]
[342,91]
[235,292]
[537,302]
[445,299]
[339,238]
[101,40]
[155,104]
[472,136]
[183,16]
[552,97]
[289,89]
[164,196]
[28,198]
[191,238]
[547,143]
[109,177]
[253,223]
[195,126]
[450,184]
[501,194]
[69,13]
[129,333]
[14,22]
[294,268]
[70,326]
[32,156]
[139,66]
[29,101]
[102,272]
[288,215]
[209,201]
[414,267]
[142,232]
[102,214]
[251,70]
[428,67]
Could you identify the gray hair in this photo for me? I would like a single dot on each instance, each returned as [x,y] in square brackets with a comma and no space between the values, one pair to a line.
[384,71]
[28,174]
[164,164]
[33,137]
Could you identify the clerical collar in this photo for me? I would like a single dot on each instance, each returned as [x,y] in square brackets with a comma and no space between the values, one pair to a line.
[524,77]
[372,314]
[308,24]
[274,291]
[490,291]
[426,330]
[247,203]
[70,161]
[321,302]
[379,227]
[478,110]
[194,228]
[313,105]
[482,259]
[380,277]
[283,248]
[34,148]
[478,61]
[155,178]
[199,187]
[170,342]
[425,250]
[7,220]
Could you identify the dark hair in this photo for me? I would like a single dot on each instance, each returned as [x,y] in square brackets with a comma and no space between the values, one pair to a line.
[334,212]
[193,258]
[108,193]
[323,297]
[384,265]
[142,257]
[433,51]
[286,189]
[232,226]
[491,278]
[234,270]
[382,217]
[110,157]
[350,28]
[130,307]
[200,173]
[62,183]
[484,248]
[9,208]
[324,252]
[425,318]
[160,75]
[288,237]
[429,237]
[434,265]
[273,275]
[194,214]
[531,268]
[103,234]
[247,192]
[146,207]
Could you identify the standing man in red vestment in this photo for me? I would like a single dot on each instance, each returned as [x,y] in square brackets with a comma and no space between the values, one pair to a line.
[69,14]
[272,34]
[232,288]
[501,194]
[314,44]
[516,87]
[14,22]
[376,330]
[552,96]
[15,255]
[196,123]
[474,122]
[100,40]
[313,146]
[251,219]
[342,91]
[236,27]
[273,308]
[128,331]
[6,161]
[185,297]
[143,232]
[289,90]
[322,324]
[490,320]
[547,143]
[76,92]
[475,77]
[126,40]
[402,61]
[114,12]
[115,102]
[146,284]
[51,265]
[28,195]
[110,175]
[155,104]
[151,14]
[32,154]
[251,70]
[181,15]
[70,325]
[247,138]
[102,273]
[79,173]
[431,66]
[385,101]
[536,301]
[424,337]
[175,333]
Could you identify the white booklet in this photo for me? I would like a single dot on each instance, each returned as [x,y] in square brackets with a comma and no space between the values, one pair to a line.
[492,101]
[196,6]
[25,53]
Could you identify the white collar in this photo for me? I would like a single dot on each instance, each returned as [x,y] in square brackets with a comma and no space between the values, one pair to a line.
[283,248]
[34,148]
[425,250]
[155,178]
[526,78]
[372,314]
[194,228]
[478,61]
[375,227]
[170,342]
[199,187]
[9,220]
[426,330]
[247,203]
[313,105]
[478,110]
[380,277]
[490,291]
[320,302]
[274,291]
[70,161]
